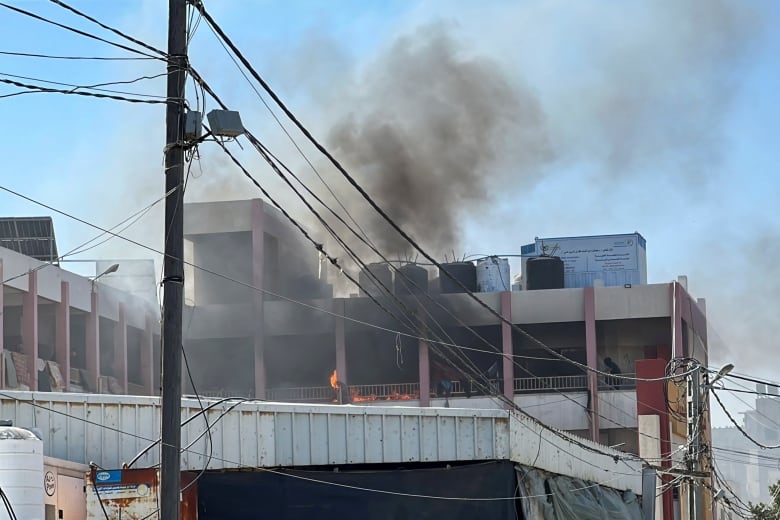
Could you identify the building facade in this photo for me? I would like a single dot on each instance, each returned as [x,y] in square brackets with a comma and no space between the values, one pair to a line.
[65,332]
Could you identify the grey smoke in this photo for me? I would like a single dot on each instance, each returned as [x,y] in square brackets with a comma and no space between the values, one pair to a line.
[424,133]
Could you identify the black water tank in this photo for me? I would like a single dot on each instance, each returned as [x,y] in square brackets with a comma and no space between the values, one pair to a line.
[411,279]
[544,272]
[464,272]
[369,283]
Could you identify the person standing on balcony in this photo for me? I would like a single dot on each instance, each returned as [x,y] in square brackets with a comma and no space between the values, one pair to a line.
[613,368]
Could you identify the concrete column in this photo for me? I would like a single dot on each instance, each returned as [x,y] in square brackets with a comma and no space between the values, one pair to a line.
[120,348]
[590,349]
[62,340]
[93,342]
[258,332]
[508,367]
[425,373]
[341,341]
[147,355]
[677,337]
[2,344]
[651,401]
[30,328]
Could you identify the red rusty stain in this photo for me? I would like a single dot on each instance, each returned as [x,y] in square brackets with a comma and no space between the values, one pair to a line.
[142,506]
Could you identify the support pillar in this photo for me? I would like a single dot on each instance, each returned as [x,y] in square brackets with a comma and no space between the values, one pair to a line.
[651,401]
[425,373]
[147,355]
[258,332]
[93,343]
[120,348]
[30,328]
[508,367]
[341,341]
[2,343]
[62,339]
[677,341]
[592,357]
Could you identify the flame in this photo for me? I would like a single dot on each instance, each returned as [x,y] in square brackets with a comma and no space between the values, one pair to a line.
[357,398]
[334,380]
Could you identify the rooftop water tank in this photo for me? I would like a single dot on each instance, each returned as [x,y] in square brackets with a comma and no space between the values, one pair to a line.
[544,272]
[21,472]
[493,275]
[411,279]
[375,280]
[463,272]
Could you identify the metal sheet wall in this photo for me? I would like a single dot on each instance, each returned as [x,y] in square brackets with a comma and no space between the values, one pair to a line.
[111,430]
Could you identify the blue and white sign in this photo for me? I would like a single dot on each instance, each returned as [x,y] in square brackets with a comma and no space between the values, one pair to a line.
[111,476]
[615,259]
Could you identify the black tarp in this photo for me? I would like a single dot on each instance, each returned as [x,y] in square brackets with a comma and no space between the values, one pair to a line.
[287,494]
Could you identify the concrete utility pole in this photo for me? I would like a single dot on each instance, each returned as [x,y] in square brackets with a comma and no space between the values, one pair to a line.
[695,448]
[173,267]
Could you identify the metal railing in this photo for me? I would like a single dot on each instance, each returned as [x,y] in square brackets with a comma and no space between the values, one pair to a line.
[550,383]
[411,391]
[617,382]
[385,392]
[305,394]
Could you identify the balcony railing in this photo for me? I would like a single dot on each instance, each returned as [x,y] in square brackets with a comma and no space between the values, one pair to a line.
[577,382]
[411,391]
[305,394]
[617,382]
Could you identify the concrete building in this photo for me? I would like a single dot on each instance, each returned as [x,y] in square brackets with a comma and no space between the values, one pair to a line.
[261,321]
[748,469]
[65,332]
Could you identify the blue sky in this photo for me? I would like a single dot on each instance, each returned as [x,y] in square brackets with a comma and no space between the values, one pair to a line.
[661,117]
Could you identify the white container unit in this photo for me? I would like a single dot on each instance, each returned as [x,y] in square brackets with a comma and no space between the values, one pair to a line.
[21,473]
[493,275]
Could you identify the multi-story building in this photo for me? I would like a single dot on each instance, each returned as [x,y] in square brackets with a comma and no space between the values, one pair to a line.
[65,332]
[748,469]
[261,321]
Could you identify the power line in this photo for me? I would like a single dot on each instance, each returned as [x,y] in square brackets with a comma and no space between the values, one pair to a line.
[64,57]
[78,31]
[109,28]
[95,86]
[135,217]
[36,88]
[738,426]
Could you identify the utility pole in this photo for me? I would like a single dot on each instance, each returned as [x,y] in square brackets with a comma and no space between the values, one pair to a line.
[695,447]
[173,267]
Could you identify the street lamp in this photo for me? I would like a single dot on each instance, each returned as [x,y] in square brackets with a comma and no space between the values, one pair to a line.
[723,372]
[111,269]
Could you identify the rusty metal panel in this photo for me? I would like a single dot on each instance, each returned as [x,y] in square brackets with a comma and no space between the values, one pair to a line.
[132,494]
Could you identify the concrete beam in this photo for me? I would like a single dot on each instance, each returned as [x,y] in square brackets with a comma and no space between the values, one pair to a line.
[678,349]
[341,341]
[508,367]
[425,373]
[592,357]
[93,342]
[147,357]
[30,327]
[120,348]
[258,332]
[62,339]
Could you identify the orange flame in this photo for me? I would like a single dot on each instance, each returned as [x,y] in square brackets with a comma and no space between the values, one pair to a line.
[334,380]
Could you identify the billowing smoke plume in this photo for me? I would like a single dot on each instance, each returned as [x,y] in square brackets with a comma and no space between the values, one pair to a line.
[424,132]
